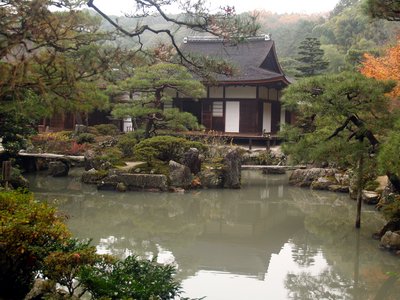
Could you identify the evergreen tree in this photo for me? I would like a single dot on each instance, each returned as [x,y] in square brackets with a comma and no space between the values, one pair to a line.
[311,58]
[156,85]
[339,120]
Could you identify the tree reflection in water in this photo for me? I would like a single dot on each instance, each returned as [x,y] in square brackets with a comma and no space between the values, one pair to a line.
[327,285]
[331,286]
[303,252]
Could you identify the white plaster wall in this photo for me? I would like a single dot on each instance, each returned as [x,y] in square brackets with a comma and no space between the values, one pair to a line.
[232,116]
[241,92]
[267,117]
[283,115]
[216,92]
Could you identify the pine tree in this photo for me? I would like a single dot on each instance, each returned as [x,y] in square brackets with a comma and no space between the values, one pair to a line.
[340,119]
[156,84]
[311,58]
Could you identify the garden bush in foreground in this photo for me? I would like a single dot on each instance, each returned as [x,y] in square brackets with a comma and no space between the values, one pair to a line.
[34,241]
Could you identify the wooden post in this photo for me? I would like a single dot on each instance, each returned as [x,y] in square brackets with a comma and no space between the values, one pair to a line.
[6,172]
[250,144]
[359,190]
[357,263]
[267,136]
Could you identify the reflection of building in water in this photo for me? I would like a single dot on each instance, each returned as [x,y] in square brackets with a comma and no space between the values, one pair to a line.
[242,244]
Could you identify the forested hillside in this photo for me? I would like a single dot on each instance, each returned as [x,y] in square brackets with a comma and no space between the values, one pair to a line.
[345,34]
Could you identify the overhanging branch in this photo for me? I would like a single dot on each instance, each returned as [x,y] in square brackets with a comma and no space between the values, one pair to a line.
[359,134]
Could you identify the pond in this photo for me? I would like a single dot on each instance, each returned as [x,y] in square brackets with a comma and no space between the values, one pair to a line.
[267,240]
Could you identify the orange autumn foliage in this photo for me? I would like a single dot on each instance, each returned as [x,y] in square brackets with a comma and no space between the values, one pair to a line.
[384,68]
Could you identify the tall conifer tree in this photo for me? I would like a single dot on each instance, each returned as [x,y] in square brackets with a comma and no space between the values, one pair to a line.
[311,58]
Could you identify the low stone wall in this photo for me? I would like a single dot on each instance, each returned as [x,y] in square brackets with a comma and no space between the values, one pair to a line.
[133,182]
[318,178]
[330,179]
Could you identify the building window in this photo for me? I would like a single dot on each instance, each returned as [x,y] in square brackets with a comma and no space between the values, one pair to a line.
[218,109]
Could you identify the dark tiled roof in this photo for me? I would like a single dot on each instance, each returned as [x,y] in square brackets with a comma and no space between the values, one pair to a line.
[255,58]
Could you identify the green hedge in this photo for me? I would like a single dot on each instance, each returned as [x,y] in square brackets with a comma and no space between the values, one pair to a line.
[164,148]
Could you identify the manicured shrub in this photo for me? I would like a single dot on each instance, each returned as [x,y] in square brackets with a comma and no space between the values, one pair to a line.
[164,148]
[107,129]
[76,149]
[34,240]
[63,135]
[57,142]
[85,138]
[138,134]
[132,278]
[109,157]
[92,130]
[126,143]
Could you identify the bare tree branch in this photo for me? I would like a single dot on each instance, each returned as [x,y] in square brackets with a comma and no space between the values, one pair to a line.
[226,25]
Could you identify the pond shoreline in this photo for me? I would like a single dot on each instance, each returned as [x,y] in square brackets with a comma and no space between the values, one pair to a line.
[219,235]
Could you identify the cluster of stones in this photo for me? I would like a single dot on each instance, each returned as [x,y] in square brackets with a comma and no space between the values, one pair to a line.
[186,174]
[330,179]
[337,181]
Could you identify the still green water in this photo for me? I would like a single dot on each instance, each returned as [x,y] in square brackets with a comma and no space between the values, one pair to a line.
[265,241]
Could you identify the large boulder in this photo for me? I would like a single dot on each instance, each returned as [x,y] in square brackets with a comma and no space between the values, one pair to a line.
[391,240]
[232,167]
[133,182]
[89,158]
[191,159]
[210,178]
[323,183]
[179,175]
[144,181]
[392,225]
[305,177]
[58,168]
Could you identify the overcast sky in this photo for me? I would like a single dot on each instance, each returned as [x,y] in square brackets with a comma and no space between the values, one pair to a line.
[119,7]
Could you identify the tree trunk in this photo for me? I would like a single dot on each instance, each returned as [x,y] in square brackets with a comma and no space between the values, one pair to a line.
[359,189]
[149,126]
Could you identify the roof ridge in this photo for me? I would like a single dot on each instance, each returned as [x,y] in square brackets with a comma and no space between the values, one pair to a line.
[211,38]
